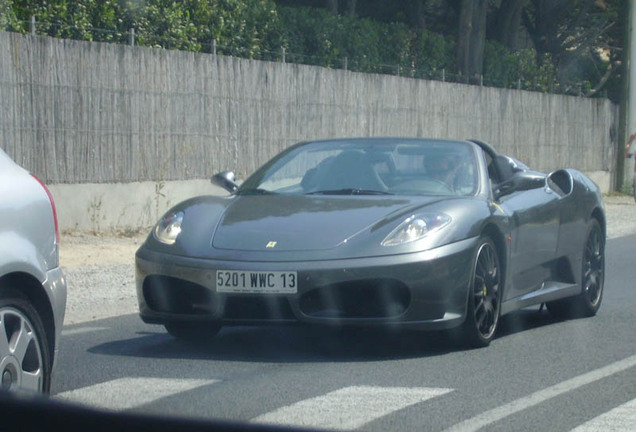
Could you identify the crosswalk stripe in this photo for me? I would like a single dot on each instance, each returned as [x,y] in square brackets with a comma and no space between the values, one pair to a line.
[489,417]
[348,408]
[126,393]
[80,330]
[620,419]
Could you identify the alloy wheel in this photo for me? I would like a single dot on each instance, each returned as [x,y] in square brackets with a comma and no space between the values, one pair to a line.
[485,292]
[593,268]
[21,360]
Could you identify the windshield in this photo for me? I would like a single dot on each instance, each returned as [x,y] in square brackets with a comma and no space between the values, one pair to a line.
[369,166]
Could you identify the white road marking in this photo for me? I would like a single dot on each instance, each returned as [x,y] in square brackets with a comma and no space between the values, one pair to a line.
[348,408]
[81,330]
[126,393]
[503,411]
[620,419]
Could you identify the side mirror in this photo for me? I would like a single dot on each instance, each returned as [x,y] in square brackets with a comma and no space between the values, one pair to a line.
[520,181]
[226,180]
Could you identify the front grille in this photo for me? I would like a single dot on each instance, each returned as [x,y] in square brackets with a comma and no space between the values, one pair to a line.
[357,299]
[172,295]
[257,308]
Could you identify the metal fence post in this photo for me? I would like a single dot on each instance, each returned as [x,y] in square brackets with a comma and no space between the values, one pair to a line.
[346,61]
[32,25]
[443,75]
[214,46]
[282,49]
[132,37]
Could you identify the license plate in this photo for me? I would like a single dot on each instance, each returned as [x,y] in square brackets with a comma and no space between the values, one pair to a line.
[231,281]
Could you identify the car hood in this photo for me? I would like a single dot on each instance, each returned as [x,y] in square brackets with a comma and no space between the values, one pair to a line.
[305,223]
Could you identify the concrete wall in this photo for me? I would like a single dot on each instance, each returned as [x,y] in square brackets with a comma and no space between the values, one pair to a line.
[122,207]
[85,115]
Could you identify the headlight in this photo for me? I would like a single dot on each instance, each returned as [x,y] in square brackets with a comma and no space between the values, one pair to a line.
[415,228]
[169,228]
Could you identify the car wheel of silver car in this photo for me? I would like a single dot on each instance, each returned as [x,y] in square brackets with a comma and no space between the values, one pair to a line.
[588,301]
[24,351]
[193,331]
[484,297]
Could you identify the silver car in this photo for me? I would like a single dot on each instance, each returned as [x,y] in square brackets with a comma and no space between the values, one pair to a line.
[32,285]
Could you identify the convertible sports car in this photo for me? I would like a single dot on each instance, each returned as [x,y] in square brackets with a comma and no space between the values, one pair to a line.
[405,232]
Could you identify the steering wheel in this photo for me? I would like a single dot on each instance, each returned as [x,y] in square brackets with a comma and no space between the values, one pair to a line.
[441,185]
[428,185]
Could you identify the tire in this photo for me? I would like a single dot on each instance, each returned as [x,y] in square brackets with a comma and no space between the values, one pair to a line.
[588,302]
[193,331]
[25,357]
[484,297]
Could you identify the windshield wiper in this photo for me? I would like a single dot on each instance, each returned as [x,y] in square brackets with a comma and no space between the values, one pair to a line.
[256,191]
[349,191]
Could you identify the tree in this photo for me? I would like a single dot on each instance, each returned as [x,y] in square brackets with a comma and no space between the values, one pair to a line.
[351,7]
[471,38]
[333,6]
[543,20]
[582,37]
[507,23]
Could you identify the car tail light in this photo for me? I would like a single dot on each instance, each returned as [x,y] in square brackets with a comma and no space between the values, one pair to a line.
[48,193]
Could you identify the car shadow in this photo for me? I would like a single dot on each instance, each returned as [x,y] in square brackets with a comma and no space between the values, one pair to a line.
[284,345]
[292,344]
[525,320]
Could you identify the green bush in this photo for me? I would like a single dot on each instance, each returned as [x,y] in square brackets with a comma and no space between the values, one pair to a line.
[432,54]
[627,189]
[325,39]
[512,69]
[258,29]
[241,27]
[6,14]
[61,18]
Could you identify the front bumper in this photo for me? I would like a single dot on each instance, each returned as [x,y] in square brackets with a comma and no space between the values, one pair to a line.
[419,290]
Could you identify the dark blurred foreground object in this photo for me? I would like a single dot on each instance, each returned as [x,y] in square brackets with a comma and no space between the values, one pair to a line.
[32,412]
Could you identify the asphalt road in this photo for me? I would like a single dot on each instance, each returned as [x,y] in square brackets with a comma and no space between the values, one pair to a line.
[539,374]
